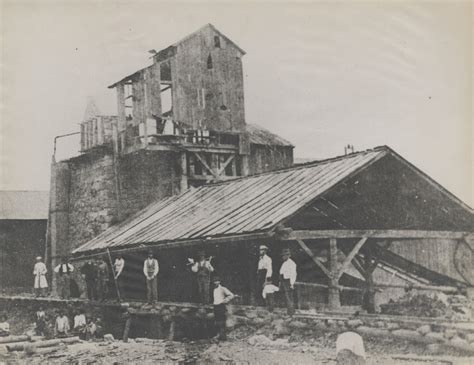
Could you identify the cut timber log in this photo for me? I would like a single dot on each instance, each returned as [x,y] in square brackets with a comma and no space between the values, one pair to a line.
[10,339]
[19,346]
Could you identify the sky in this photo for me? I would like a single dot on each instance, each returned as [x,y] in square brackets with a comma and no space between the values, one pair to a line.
[320,74]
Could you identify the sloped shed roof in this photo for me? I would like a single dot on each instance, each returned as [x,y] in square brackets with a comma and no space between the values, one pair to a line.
[249,205]
[24,205]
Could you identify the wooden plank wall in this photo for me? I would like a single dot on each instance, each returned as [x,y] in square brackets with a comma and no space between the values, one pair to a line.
[437,255]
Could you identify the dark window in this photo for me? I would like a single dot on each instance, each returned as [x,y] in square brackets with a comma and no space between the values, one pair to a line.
[209,62]
[217,41]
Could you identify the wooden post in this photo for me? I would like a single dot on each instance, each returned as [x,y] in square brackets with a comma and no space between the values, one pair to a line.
[121,107]
[245,165]
[369,295]
[184,173]
[115,279]
[334,300]
[126,330]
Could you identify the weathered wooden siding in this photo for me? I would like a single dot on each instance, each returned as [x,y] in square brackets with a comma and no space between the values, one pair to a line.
[442,256]
[212,98]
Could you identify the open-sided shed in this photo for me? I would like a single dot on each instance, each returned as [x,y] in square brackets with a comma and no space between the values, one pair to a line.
[337,215]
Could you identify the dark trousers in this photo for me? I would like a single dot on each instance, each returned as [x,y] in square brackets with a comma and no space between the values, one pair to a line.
[64,282]
[285,287]
[261,278]
[220,319]
[102,288]
[152,290]
[91,289]
[121,286]
[270,301]
[203,283]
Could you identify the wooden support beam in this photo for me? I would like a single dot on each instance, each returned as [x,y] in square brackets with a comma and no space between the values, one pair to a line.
[314,258]
[392,234]
[349,257]
[183,184]
[226,163]
[204,163]
[334,300]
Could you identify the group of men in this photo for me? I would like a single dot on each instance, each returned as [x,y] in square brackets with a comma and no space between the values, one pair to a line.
[96,275]
[85,328]
[94,272]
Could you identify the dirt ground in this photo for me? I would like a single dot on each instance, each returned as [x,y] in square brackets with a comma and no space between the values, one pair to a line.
[241,348]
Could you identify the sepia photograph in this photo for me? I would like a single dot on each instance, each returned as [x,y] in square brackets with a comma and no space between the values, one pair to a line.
[236,182]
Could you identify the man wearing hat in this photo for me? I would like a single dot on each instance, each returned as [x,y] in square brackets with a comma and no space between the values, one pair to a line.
[150,269]
[222,296]
[39,271]
[288,279]
[264,272]
[203,270]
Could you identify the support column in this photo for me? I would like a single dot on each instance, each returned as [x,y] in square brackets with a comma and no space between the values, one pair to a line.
[369,295]
[183,185]
[334,300]
[245,165]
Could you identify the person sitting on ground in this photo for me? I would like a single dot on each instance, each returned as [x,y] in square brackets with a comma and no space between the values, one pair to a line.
[80,324]
[41,325]
[4,326]
[61,327]
[91,329]
[268,294]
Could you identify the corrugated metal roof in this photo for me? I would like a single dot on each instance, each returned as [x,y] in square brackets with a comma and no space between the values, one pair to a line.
[262,136]
[246,205]
[24,205]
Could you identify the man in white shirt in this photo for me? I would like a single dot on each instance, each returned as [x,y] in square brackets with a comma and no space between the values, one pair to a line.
[264,272]
[61,326]
[222,296]
[64,271]
[39,271]
[80,324]
[287,280]
[203,270]
[150,269]
[119,264]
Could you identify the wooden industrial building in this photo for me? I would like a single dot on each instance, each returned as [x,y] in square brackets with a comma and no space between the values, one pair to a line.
[342,217]
[180,124]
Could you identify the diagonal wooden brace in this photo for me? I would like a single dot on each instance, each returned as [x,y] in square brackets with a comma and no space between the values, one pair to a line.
[349,257]
[227,162]
[314,258]
[206,166]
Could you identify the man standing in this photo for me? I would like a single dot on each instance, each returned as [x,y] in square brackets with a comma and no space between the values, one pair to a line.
[203,270]
[64,271]
[150,269]
[287,280]
[41,284]
[222,296]
[102,279]
[89,270]
[264,272]
[118,268]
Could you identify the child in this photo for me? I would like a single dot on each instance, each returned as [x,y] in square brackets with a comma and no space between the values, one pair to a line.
[41,322]
[268,293]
